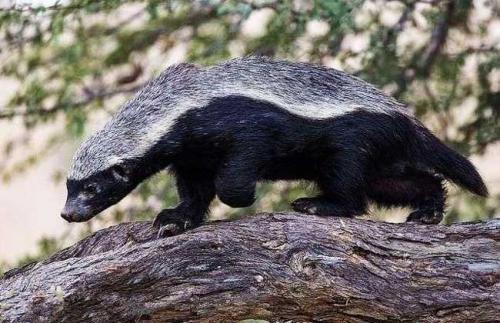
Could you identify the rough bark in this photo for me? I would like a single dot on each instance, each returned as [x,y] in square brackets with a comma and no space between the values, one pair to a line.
[275,267]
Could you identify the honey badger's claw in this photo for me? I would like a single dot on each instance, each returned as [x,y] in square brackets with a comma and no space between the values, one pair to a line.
[169,230]
[304,205]
[425,217]
[171,222]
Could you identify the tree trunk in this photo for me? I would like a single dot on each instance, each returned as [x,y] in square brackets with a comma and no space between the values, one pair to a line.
[274,267]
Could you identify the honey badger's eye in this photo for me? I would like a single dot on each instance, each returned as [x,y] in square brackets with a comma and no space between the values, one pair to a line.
[90,189]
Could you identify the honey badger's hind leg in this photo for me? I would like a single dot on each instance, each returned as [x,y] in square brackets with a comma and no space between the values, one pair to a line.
[422,191]
[195,194]
[342,185]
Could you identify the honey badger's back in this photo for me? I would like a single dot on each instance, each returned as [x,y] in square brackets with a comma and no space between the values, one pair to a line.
[307,90]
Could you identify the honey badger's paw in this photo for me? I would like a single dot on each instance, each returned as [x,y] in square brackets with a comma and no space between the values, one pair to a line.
[170,223]
[306,205]
[322,206]
[425,216]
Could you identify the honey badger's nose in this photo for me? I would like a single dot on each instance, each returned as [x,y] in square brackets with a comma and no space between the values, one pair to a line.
[66,216]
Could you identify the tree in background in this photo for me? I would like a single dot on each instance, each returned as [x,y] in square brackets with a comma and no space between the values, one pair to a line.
[79,60]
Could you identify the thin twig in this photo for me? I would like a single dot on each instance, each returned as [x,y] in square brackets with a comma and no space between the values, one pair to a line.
[29,8]
[438,39]
[433,49]
[398,27]
[90,98]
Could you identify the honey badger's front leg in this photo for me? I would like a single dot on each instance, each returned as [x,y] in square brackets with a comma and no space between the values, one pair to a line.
[195,194]
[237,177]
[234,183]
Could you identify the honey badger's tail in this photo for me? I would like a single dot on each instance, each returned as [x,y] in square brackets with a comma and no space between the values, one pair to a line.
[444,160]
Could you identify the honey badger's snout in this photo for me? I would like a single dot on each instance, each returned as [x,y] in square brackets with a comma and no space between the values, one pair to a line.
[73,212]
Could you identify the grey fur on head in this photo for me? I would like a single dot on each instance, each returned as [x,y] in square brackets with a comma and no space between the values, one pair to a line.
[306,90]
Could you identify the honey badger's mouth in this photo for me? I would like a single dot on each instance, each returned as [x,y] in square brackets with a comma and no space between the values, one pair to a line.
[75,218]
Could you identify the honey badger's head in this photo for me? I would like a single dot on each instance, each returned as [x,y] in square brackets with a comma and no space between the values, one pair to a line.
[102,174]
[89,196]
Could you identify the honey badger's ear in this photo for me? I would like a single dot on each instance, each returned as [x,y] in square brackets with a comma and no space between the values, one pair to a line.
[120,172]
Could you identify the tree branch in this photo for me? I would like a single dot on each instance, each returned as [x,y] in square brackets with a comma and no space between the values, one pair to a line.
[422,66]
[90,97]
[274,267]
[438,39]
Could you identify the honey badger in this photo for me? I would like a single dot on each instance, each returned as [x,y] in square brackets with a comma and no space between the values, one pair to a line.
[222,129]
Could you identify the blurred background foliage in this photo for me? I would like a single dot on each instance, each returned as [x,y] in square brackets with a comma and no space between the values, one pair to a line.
[77,61]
